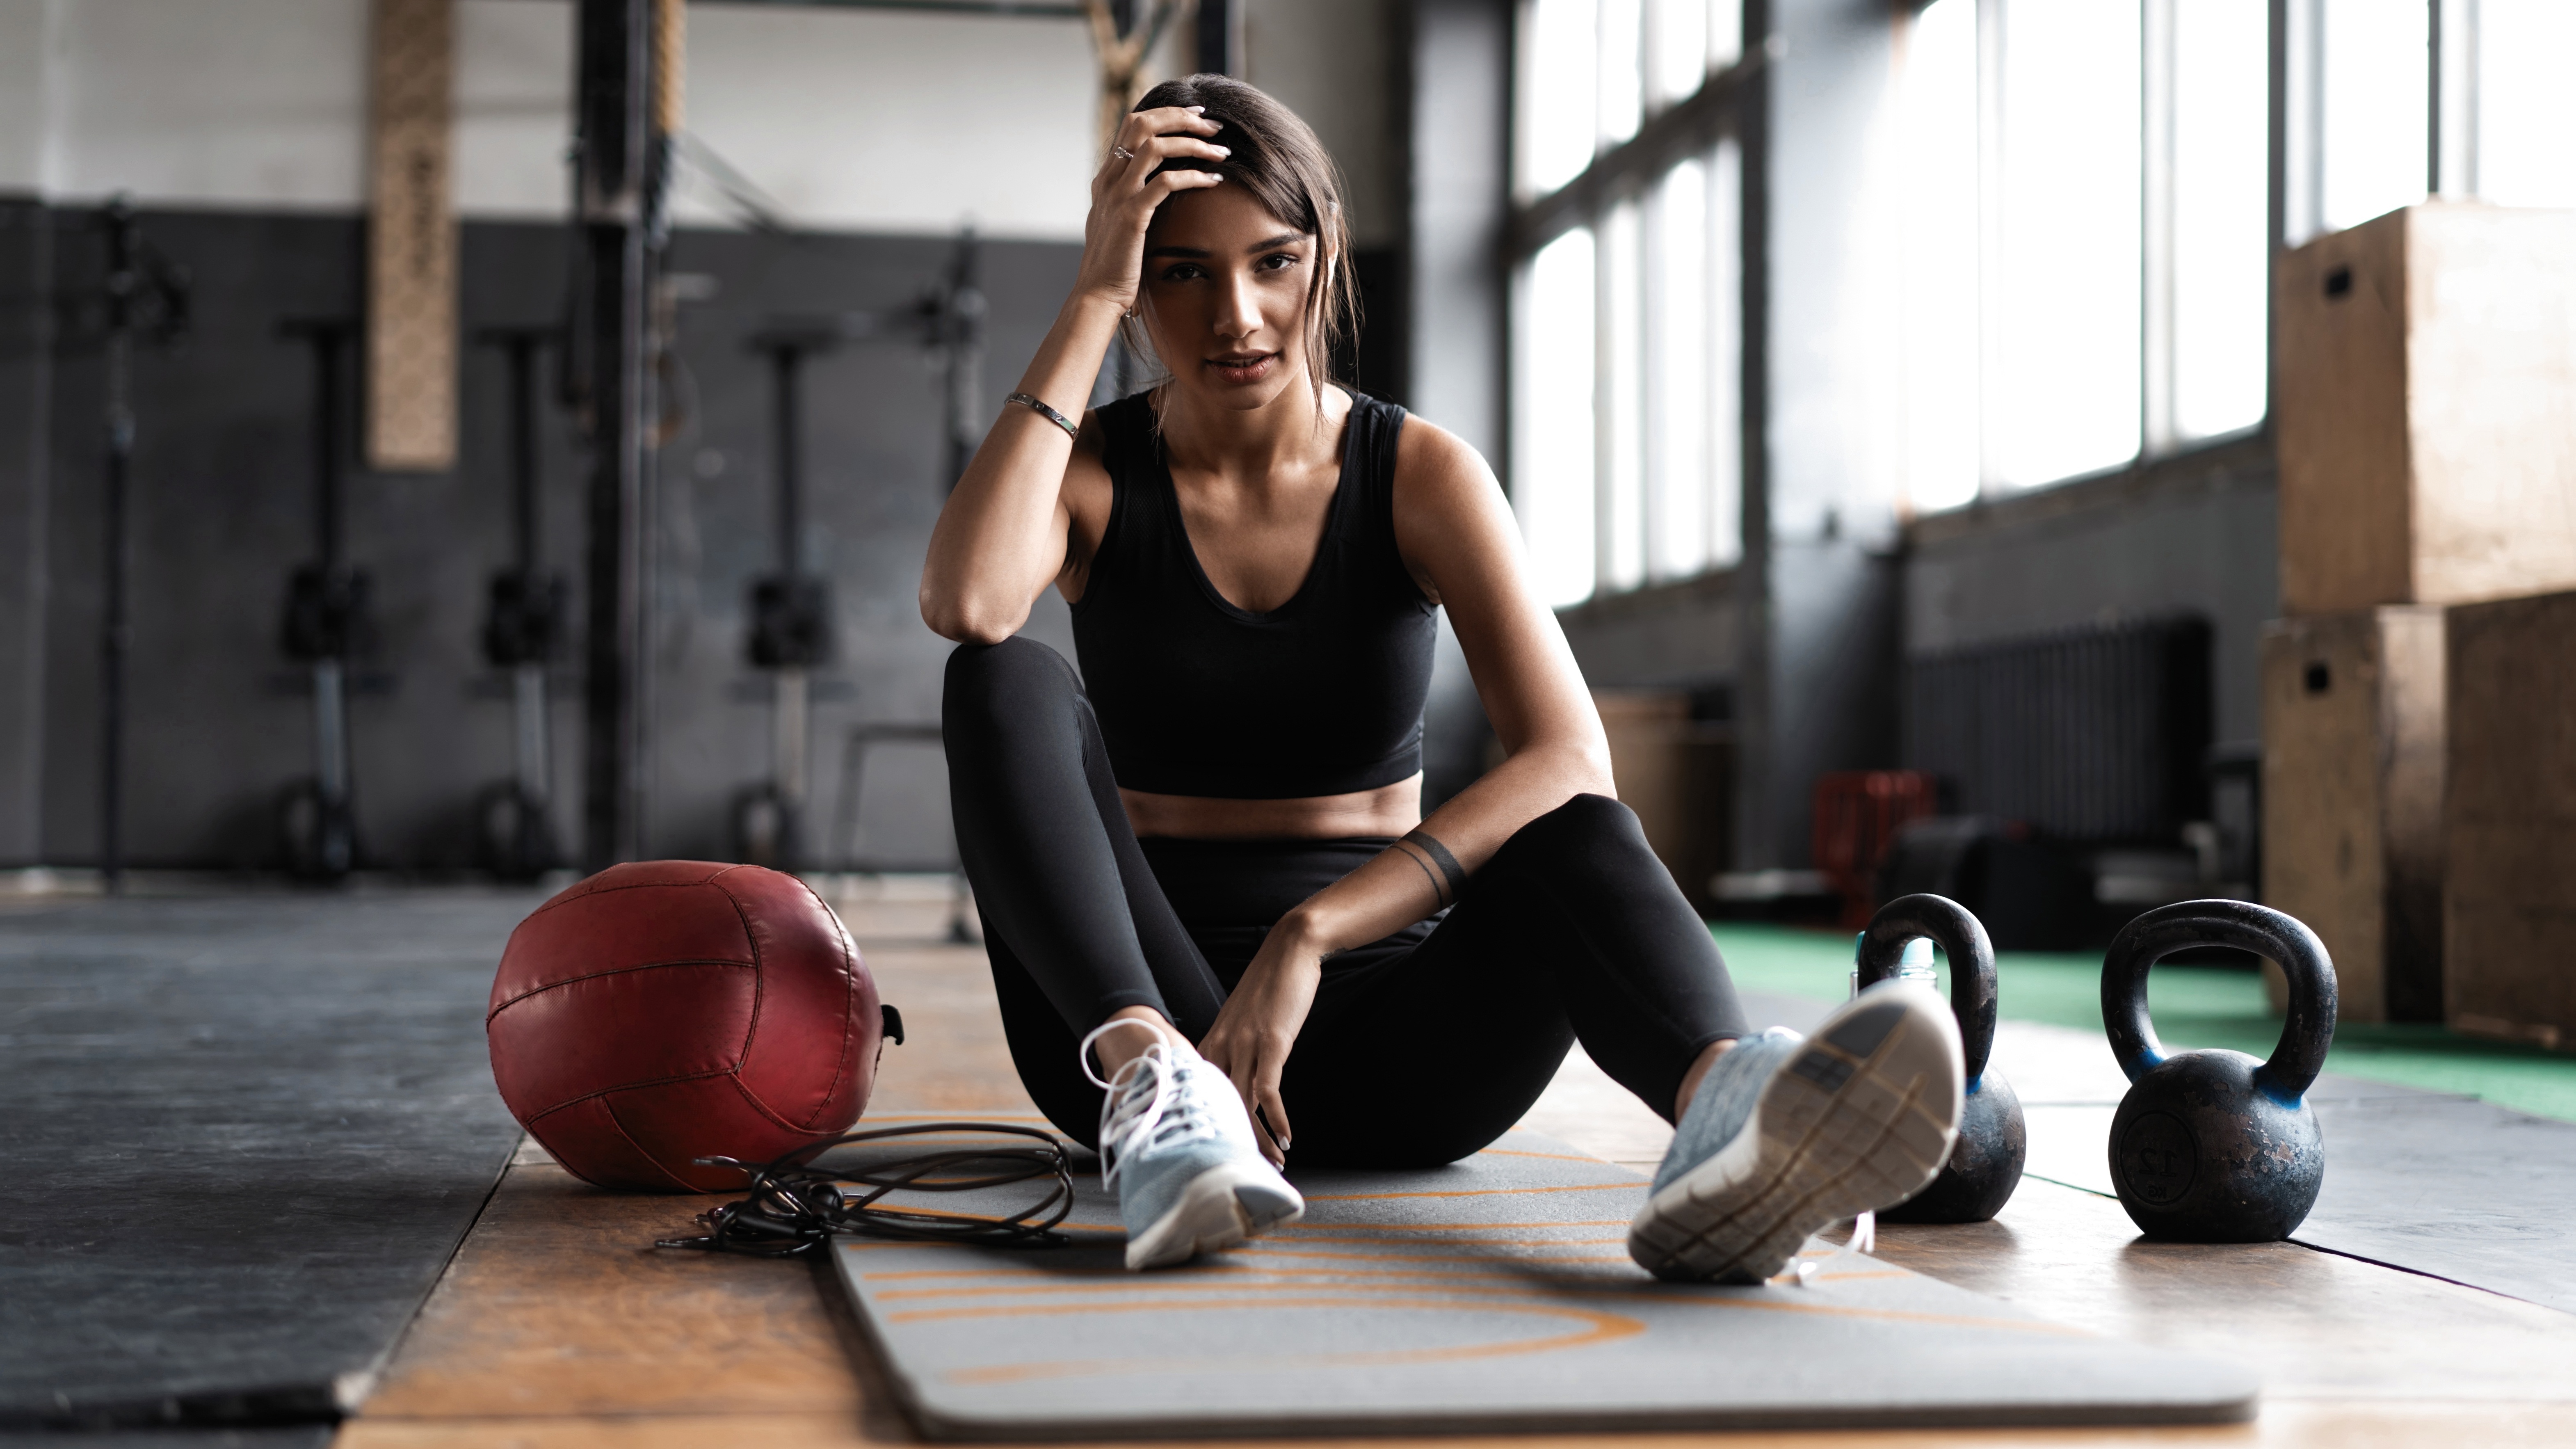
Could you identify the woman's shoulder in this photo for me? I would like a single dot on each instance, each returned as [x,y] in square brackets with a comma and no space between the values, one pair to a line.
[1434,465]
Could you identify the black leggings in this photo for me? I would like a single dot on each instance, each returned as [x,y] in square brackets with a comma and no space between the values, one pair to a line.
[1421,1048]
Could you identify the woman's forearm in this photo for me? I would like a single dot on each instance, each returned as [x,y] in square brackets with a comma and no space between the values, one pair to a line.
[1411,879]
[1000,538]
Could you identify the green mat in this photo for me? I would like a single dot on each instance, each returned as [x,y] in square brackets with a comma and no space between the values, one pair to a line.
[2194,1006]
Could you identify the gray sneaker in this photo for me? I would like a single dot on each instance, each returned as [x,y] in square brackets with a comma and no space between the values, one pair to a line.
[1178,1146]
[1788,1135]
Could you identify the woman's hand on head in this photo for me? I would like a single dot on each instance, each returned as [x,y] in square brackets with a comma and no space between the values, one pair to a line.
[1258,1027]
[1125,193]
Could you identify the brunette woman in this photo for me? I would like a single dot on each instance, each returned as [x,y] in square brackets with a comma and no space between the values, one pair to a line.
[1220,925]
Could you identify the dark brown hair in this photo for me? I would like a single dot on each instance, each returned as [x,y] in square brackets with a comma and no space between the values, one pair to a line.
[1277,158]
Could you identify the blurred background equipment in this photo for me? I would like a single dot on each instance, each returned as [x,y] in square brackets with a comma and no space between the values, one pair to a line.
[523,626]
[326,626]
[146,297]
[791,615]
[1858,813]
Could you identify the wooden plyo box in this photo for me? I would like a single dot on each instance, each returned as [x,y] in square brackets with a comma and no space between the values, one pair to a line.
[2353,762]
[1675,773]
[2424,404]
[2509,899]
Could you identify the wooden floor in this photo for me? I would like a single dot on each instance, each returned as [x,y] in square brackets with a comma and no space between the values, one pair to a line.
[558,1327]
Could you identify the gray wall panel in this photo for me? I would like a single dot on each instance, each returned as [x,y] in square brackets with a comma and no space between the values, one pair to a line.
[2195,536]
[223,510]
[25,376]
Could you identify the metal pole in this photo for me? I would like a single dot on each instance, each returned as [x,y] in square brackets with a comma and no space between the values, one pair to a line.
[2158,430]
[784,364]
[962,348]
[326,451]
[1220,37]
[523,449]
[615,39]
[2451,150]
[116,631]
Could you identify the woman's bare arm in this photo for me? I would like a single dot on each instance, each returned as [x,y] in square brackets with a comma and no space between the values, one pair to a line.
[1003,535]
[1457,534]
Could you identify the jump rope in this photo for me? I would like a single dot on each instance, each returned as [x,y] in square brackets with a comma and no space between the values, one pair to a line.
[794,1206]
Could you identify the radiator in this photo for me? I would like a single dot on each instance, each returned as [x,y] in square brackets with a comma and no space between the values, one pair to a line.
[2095,735]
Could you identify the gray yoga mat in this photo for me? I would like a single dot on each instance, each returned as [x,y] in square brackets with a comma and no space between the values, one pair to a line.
[245,1136]
[1493,1294]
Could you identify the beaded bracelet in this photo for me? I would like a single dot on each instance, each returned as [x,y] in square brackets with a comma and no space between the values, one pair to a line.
[1038,406]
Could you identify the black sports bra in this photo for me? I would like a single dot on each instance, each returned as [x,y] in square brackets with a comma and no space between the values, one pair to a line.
[1320,696]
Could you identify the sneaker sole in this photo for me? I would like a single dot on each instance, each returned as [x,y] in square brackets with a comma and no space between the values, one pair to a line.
[1223,1207]
[1860,1119]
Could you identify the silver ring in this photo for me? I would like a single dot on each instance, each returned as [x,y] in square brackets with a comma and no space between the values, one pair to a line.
[1122,153]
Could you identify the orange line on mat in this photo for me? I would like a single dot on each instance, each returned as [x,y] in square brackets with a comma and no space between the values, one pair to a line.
[1258,1250]
[1474,1192]
[1401,1244]
[1445,1227]
[1466,1281]
[1602,1328]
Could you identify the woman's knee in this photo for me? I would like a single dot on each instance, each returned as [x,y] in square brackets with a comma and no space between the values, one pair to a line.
[1582,828]
[989,682]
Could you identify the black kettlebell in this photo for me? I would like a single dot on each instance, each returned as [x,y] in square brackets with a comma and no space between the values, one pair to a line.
[1985,1163]
[2215,1146]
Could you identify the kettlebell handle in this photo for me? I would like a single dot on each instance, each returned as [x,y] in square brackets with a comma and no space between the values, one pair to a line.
[2306,1032]
[1959,934]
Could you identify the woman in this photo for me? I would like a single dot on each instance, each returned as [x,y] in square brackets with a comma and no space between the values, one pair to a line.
[1203,864]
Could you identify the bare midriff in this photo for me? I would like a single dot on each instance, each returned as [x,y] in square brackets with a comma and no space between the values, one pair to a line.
[1389,810]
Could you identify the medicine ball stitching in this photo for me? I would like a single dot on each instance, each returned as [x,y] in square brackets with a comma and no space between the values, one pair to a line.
[759,977]
[634,1086]
[495,1012]
[849,999]
[629,1137]
[759,1000]
[584,890]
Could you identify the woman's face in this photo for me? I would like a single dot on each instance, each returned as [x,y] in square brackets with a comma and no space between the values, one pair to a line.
[1225,296]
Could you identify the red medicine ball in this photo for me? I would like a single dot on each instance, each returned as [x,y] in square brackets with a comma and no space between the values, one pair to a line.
[676,1009]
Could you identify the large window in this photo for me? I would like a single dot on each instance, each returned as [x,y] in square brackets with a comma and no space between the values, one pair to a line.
[2085,202]
[2393,106]
[2086,193]
[1625,452]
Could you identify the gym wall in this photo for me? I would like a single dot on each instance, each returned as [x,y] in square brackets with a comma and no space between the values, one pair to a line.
[238,127]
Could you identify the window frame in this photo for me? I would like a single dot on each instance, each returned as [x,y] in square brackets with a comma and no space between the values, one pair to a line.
[1626,173]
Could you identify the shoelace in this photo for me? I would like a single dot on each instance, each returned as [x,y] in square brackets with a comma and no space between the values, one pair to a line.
[1864,1237]
[1152,1103]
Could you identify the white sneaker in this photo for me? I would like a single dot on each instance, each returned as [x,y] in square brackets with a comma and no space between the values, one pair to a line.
[1177,1144]
[1787,1135]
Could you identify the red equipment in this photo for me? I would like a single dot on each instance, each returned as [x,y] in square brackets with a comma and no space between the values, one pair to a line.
[676,1009]
[1857,815]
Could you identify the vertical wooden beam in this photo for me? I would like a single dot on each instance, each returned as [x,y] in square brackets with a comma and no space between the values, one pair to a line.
[411,240]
